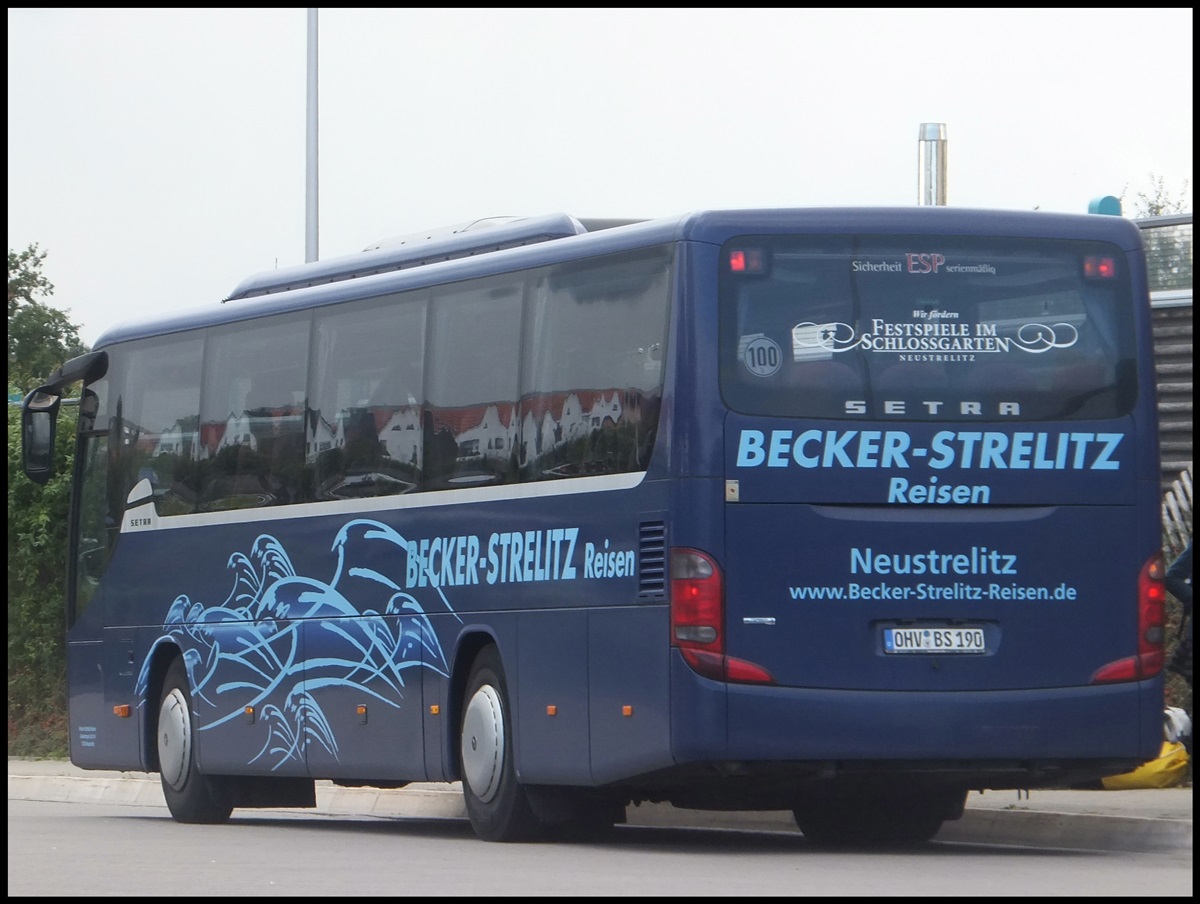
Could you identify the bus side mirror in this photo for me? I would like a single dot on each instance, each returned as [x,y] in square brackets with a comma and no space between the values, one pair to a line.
[39,417]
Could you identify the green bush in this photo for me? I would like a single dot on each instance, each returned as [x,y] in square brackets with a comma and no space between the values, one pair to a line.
[37,543]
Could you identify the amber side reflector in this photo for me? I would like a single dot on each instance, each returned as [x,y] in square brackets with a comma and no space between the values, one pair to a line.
[434,709]
[121,710]
[552,710]
[627,710]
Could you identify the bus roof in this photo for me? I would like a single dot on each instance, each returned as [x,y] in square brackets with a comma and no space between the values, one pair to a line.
[482,247]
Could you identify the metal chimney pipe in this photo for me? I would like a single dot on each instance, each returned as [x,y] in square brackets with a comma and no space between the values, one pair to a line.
[931,172]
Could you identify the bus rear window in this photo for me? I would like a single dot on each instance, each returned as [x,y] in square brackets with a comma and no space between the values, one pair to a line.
[926,328]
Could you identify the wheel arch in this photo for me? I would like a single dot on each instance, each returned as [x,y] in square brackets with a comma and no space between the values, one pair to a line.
[467,649]
[159,660]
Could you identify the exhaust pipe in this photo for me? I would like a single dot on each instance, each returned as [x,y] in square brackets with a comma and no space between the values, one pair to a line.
[931,172]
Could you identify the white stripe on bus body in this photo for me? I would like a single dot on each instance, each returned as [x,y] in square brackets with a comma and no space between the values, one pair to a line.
[540,489]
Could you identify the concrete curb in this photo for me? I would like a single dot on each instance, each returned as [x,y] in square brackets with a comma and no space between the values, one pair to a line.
[1153,820]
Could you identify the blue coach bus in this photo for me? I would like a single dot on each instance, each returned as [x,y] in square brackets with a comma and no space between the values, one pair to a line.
[843,512]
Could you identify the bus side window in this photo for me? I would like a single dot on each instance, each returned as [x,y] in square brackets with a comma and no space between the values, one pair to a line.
[364,426]
[275,412]
[593,370]
[469,427]
[252,426]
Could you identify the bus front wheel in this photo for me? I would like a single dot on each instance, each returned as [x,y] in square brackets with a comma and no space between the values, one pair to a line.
[497,806]
[191,796]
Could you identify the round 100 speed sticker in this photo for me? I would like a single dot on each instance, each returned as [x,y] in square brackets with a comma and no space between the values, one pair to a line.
[763,356]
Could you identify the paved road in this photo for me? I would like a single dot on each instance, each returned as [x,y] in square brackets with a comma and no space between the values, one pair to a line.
[1136,821]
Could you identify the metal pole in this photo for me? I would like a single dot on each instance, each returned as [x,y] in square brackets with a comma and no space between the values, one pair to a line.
[310,207]
[931,171]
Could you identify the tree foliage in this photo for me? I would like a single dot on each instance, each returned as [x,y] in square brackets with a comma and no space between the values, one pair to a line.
[37,548]
[1159,200]
[1169,244]
[40,337]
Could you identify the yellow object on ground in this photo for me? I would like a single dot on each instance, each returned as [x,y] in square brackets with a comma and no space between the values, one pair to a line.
[1167,771]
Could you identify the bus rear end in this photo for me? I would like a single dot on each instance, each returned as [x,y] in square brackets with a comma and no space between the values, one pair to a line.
[940,563]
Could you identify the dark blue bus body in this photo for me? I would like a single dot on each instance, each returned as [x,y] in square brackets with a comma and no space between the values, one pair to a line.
[931,568]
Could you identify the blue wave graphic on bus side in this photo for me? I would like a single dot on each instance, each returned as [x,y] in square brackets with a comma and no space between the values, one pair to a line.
[363,633]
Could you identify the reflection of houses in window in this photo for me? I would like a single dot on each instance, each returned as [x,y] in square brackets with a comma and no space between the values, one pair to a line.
[491,437]
[606,409]
[553,420]
[572,423]
[493,430]
[322,436]
[142,441]
[171,442]
[238,433]
[585,411]
[401,435]
[538,427]
[234,432]
[210,439]
[398,430]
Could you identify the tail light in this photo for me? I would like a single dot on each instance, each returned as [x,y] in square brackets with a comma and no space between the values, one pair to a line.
[698,620]
[1152,619]
[1096,267]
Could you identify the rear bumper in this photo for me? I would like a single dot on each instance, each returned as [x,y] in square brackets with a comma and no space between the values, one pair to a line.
[1103,723]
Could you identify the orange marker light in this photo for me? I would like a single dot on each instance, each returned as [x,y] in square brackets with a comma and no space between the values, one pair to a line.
[121,710]
[627,710]
[551,710]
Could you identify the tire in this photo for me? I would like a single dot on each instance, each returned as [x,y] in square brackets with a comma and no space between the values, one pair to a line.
[191,796]
[497,805]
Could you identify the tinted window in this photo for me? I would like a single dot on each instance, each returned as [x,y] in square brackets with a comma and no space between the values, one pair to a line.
[153,414]
[594,366]
[252,417]
[364,430]
[547,373]
[921,328]
[472,382]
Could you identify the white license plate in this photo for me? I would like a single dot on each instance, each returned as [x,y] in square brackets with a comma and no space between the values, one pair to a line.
[934,640]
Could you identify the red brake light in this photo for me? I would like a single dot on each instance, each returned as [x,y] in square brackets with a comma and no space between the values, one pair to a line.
[747,260]
[1152,616]
[697,601]
[1096,267]
[1151,627]
[698,620]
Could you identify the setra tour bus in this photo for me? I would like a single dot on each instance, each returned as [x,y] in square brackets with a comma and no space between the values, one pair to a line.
[842,512]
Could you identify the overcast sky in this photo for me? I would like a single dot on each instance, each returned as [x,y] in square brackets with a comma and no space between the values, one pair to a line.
[159,157]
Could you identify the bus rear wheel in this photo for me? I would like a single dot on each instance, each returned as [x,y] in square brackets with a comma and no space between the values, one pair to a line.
[191,796]
[497,806]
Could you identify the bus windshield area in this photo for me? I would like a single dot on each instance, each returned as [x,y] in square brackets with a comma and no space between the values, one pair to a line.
[929,328]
